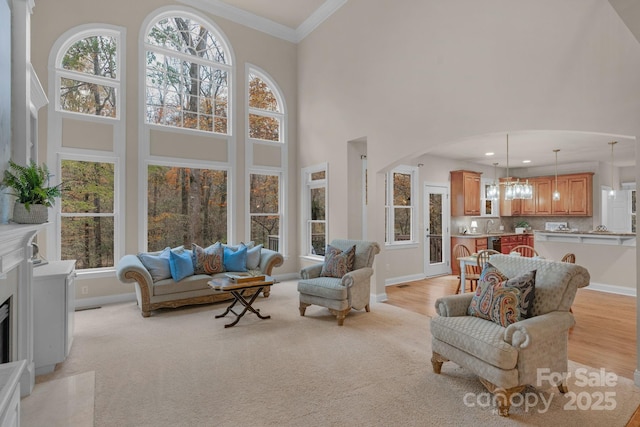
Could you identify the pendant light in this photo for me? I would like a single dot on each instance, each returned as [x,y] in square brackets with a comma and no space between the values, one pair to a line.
[612,192]
[493,191]
[556,193]
[516,190]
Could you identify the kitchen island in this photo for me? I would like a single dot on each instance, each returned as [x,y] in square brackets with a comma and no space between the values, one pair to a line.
[609,257]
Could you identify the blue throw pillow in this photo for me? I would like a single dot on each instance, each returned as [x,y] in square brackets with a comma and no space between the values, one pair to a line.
[157,264]
[180,264]
[235,261]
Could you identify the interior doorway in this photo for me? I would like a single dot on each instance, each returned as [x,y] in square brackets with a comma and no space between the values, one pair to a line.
[436,230]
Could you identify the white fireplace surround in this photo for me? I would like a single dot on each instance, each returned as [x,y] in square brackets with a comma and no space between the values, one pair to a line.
[16,274]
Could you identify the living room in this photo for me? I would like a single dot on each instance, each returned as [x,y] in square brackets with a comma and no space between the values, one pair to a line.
[450,70]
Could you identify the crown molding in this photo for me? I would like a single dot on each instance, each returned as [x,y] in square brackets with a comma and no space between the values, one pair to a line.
[259,23]
[321,14]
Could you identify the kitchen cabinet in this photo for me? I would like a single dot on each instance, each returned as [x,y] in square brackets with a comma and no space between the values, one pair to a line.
[576,197]
[465,193]
[508,242]
[474,244]
[53,313]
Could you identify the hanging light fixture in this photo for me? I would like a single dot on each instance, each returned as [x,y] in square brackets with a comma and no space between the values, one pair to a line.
[612,192]
[493,191]
[514,190]
[556,193]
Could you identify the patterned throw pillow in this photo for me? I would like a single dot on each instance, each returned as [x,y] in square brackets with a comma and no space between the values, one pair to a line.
[491,274]
[504,302]
[338,263]
[208,260]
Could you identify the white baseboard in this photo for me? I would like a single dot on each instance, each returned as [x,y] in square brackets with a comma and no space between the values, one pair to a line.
[379,297]
[403,279]
[612,289]
[109,299]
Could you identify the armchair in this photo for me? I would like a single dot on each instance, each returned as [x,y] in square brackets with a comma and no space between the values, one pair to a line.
[509,358]
[341,294]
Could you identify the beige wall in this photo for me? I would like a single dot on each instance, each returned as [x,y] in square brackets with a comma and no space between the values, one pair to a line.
[415,75]
[276,57]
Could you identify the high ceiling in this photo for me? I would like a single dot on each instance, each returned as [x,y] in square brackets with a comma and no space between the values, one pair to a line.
[537,146]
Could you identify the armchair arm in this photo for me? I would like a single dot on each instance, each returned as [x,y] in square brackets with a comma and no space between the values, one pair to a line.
[538,329]
[454,305]
[356,276]
[269,259]
[311,272]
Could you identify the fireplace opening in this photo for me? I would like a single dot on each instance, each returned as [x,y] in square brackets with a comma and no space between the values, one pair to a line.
[5,331]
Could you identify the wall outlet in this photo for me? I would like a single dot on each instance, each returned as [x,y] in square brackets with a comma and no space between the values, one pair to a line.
[84,290]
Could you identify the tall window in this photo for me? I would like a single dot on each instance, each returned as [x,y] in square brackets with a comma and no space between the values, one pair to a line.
[185,205]
[89,76]
[264,209]
[265,111]
[315,210]
[86,65]
[88,213]
[187,75]
[400,203]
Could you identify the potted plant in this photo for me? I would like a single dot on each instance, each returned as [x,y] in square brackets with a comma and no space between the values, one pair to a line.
[30,184]
[521,227]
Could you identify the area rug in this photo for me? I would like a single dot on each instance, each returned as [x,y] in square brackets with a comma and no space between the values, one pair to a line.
[182,367]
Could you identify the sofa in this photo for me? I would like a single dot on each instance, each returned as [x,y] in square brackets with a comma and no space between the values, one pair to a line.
[508,352]
[154,290]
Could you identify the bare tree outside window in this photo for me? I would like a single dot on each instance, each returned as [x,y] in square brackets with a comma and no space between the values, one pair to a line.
[264,210]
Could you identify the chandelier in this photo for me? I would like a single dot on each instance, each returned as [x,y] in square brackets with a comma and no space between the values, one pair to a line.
[556,193]
[493,191]
[612,192]
[515,190]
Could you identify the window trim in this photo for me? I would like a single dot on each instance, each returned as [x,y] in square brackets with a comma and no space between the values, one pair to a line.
[390,208]
[309,184]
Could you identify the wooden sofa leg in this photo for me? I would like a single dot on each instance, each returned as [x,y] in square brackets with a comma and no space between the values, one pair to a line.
[367,308]
[145,313]
[303,308]
[436,361]
[503,396]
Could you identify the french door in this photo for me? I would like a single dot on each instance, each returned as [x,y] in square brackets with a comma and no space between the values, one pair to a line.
[436,230]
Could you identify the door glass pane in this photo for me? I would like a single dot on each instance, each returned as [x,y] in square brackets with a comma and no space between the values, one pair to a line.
[435,228]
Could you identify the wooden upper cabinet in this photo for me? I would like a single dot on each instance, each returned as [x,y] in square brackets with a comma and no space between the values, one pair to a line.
[465,193]
[576,197]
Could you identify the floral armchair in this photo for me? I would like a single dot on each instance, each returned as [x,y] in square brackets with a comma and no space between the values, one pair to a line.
[507,358]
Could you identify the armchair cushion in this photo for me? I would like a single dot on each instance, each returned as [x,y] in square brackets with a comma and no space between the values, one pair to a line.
[504,302]
[324,287]
[337,263]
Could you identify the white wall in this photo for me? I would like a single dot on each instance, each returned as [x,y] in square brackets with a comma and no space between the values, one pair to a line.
[413,75]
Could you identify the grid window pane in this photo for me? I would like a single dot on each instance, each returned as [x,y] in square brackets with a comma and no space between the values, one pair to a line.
[401,189]
[264,193]
[263,127]
[318,238]
[87,98]
[402,224]
[88,240]
[88,187]
[265,230]
[318,204]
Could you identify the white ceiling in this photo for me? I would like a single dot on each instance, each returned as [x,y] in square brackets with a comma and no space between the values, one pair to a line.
[537,146]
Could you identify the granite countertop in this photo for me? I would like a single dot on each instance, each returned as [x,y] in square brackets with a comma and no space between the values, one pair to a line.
[592,232]
[492,234]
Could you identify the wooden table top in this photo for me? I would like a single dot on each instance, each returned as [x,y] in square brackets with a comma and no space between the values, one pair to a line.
[226,284]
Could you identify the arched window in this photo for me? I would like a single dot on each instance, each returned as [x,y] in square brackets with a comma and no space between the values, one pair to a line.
[265,109]
[88,74]
[187,75]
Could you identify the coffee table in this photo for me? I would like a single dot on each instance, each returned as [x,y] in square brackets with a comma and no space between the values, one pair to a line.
[238,291]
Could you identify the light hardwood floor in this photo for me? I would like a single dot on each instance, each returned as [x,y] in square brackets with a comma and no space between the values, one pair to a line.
[604,335]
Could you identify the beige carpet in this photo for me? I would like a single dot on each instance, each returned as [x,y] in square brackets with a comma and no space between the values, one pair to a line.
[183,368]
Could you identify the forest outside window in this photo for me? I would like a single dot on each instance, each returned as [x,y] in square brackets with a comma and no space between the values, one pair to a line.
[187,76]
[264,210]
[400,205]
[265,111]
[87,213]
[88,75]
[315,200]
[184,206]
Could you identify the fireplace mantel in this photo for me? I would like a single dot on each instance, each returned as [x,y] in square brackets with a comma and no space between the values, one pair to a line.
[16,276]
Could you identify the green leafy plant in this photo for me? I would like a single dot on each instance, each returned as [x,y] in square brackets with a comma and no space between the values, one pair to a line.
[31,184]
[522,224]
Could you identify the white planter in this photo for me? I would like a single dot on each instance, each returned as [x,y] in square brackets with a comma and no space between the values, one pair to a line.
[37,214]
[520,230]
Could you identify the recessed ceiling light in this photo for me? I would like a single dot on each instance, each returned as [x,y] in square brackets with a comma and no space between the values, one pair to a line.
[489,154]
[526,161]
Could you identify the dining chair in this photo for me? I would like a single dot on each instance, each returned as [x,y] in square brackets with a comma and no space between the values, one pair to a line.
[483,257]
[525,250]
[569,257]
[471,271]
